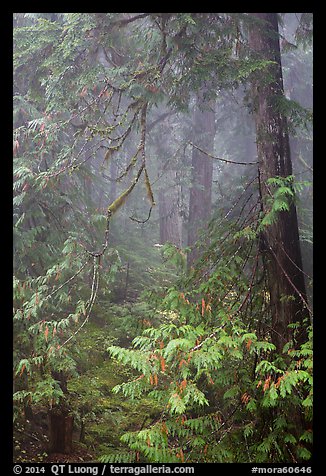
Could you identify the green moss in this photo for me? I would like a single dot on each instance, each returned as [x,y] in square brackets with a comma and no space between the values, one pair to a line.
[107,416]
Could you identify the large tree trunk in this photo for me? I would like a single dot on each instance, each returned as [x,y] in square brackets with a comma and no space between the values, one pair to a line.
[283,254]
[170,218]
[200,200]
[60,421]
[61,429]
[169,194]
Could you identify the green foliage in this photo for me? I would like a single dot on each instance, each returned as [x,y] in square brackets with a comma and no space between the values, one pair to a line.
[174,255]
[46,392]
[283,191]
[193,365]
[297,115]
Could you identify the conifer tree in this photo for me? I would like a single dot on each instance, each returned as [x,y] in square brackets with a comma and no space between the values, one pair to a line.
[280,240]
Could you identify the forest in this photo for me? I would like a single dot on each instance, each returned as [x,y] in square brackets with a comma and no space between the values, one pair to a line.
[162,237]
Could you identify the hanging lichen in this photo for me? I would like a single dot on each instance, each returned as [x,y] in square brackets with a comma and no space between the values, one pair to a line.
[149,189]
[116,204]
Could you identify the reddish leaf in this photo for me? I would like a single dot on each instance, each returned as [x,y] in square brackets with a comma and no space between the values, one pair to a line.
[183,384]
[267,383]
[245,398]
[162,364]
[164,428]
[182,362]
[202,306]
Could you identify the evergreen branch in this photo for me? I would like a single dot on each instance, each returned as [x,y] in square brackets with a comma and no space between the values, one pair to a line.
[67,281]
[210,336]
[213,334]
[98,254]
[90,104]
[125,134]
[73,163]
[251,283]
[95,283]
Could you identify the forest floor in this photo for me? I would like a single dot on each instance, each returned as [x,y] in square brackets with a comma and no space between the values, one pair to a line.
[31,446]
[106,415]
[78,455]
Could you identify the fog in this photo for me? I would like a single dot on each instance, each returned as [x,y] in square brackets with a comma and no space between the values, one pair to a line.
[162,162]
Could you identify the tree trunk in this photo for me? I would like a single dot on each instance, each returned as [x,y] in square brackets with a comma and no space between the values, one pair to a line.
[202,173]
[60,421]
[61,429]
[283,254]
[170,219]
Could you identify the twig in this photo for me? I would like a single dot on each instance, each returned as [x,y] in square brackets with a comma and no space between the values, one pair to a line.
[67,281]
[95,282]
[213,334]
[290,281]
[97,254]
[143,221]
[251,284]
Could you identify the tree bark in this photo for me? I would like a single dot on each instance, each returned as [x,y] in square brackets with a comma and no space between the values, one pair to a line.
[283,254]
[202,173]
[61,429]
[60,421]
[170,219]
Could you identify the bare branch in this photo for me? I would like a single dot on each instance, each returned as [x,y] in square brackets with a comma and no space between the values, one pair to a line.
[125,21]
[219,158]
[290,281]
[143,221]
